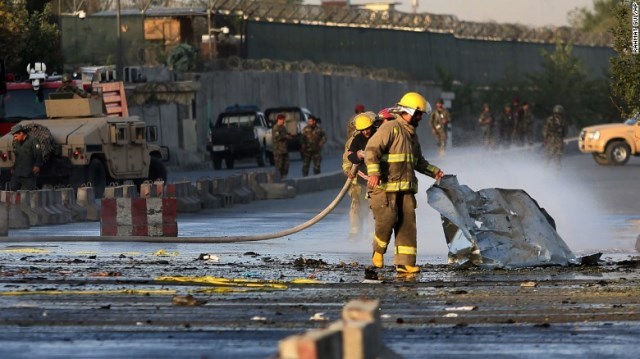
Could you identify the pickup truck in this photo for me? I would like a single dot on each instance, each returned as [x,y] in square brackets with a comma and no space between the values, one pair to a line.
[612,143]
[239,132]
[295,121]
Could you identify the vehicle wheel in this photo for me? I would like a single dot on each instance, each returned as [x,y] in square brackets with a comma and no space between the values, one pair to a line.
[618,153]
[97,176]
[157,170]
[601,159]
[228,161]
[217,163]
[261,159]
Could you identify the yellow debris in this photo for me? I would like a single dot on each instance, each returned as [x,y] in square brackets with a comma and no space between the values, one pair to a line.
[164,253]
[25,250]
[92,292]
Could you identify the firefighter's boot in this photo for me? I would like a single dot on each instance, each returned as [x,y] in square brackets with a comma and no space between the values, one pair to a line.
[407,269]
[378,260]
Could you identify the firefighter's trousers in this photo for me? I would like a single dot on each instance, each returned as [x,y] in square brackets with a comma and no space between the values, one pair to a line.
[395,212]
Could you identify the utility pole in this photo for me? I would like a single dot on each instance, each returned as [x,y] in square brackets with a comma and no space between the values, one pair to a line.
[119,44]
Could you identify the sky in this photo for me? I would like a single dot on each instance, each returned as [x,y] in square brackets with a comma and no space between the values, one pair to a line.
[525,12]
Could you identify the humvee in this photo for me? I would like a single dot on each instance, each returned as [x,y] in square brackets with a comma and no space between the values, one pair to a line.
[83,146]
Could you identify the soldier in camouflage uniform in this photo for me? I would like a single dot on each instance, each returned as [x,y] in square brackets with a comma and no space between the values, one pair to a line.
[313,139]
[68,86]
[554,131]
[281,140]
[439,120]
[527,124]
[506,126]
[28,160]
[485,121]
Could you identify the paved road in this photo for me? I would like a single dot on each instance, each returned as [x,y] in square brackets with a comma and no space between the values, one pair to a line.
[110,300]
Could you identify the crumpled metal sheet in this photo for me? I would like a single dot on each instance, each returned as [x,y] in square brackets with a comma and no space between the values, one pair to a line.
[496,228]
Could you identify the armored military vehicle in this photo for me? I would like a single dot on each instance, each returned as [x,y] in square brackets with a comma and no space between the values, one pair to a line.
[83,146]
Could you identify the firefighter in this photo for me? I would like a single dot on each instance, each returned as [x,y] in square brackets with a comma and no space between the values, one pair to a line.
[359,211]
[28,160]
[392,156]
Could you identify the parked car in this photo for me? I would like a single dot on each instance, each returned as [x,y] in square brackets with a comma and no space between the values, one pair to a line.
[239,132]
[295,120]
[612,143]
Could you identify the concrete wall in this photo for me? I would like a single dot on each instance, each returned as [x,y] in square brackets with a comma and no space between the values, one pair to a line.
[332,98]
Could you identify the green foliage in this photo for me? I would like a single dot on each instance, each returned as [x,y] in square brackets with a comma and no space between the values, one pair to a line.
[625,68]
[27,38]
[598,20]
[564,81]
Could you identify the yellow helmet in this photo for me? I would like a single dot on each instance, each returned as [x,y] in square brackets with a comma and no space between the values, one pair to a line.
[364,120]
[415,101]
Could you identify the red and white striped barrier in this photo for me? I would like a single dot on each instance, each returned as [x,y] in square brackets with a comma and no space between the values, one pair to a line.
[150,217]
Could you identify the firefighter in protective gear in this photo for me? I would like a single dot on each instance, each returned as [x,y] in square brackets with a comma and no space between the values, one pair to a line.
[359,212]
[392,156]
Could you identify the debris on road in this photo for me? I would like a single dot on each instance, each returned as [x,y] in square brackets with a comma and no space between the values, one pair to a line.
[187,300]
[208,257]
[496,228]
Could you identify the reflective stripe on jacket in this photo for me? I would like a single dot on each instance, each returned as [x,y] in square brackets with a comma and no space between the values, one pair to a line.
[393,153]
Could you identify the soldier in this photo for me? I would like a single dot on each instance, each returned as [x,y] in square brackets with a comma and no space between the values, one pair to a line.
[351,128]
[518,125]
[485,121]
[527,124]
[392,156]
[506,126]
[28,160]
[313,139]
[68,86]
[359,211]
[439,120]
[554,131]
[281,140]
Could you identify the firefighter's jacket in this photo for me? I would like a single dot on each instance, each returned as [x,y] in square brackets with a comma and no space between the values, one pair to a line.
[393,153]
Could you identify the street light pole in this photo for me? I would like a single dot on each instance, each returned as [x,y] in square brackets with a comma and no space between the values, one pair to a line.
[119,43]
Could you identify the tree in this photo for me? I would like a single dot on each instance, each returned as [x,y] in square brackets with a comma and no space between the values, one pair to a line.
[625,68]
[564,81]
[600,20]
[28,37]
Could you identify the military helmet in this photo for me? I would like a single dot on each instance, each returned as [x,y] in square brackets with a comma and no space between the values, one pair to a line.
[364,120]
[414,101]
[558,109]
[66,78]
[18,128]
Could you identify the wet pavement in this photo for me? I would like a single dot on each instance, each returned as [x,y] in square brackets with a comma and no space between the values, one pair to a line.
[116,300]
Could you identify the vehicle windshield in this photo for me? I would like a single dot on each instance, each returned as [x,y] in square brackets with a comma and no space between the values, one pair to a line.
[631,121]
[236,120]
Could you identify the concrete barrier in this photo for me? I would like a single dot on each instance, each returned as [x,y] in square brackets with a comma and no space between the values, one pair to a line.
[152,189]
[209,200]
[253,181]
[4,221]
[219,189]
[25,208]
[86,198]
[151,217]
[241,193]
[54,200]
[16,219]
[186,198]
[357,336]
[68,199]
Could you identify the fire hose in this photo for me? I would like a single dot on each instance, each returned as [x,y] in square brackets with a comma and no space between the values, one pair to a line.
[221,239]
